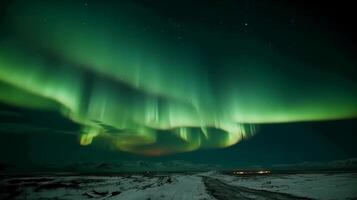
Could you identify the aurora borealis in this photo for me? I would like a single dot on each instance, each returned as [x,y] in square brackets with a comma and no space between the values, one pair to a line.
[150,84]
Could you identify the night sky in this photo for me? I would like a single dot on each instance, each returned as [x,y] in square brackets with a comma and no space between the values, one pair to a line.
[232,83]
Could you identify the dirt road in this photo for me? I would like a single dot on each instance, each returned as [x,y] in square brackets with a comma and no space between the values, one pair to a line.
[223,191]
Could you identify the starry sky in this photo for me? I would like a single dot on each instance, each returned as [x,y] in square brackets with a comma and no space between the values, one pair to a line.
[220,81]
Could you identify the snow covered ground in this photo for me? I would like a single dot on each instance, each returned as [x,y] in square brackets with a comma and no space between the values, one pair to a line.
[315,186]
[200,186]
[105,187]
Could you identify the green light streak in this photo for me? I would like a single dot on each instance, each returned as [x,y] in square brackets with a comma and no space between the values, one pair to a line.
[146,92]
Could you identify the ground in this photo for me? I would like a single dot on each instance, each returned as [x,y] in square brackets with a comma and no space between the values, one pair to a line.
[175,186]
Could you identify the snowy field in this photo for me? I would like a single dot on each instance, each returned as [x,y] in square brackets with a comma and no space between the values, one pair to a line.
[314,186]
[200,186]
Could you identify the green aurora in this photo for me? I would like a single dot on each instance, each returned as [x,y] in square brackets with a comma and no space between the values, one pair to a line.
[129,77]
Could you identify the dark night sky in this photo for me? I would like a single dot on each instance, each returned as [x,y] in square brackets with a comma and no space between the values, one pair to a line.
[177,80]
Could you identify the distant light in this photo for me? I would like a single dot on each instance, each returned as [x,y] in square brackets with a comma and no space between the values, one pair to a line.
[252,172]
[264,172]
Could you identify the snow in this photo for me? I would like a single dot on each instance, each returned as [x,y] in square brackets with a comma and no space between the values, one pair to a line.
[316,186]
[185,188]
[130,187]
[175,186]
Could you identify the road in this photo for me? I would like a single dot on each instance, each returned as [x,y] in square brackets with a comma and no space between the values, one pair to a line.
[223,191]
